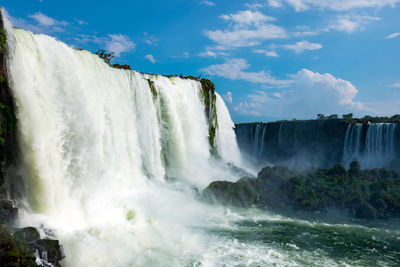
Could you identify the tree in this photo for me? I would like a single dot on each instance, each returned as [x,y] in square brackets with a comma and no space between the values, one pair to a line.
[347,116]
[333,116]
[320,116]
[107,57]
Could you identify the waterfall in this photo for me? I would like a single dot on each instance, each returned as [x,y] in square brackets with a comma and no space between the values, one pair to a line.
[375,149]
[110,164]
[258,140]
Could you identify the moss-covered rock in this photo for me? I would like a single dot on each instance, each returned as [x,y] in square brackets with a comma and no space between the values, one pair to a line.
[153,88]
[3,39]
[243,193]
[11,254]
[209,99]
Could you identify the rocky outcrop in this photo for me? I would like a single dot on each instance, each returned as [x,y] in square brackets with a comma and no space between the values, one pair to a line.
[365,194]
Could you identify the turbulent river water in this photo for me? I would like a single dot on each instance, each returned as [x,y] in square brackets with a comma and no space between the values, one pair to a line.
[113,170]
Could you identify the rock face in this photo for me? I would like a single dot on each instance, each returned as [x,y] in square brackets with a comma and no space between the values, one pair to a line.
[312,144]
[297,144]
[365,194]
[7,118]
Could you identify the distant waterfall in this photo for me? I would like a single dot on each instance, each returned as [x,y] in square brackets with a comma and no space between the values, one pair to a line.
[374,149]
[259,140]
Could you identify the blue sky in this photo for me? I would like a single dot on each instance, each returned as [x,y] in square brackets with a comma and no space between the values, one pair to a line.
[269,59]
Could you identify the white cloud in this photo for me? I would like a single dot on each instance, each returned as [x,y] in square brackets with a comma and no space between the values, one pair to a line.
[228,97]
[266,52]
[254,6]
[246,28]
[42,19]
[337,5]
[395,85]
[309,94]
[209,53]
[393,35]
[301,46]
[350,24]
[234,69]
[42,24]
[150,39]
[207,3]
[247,18]
[275,3]
[119,43]
[81,22]
[151,58]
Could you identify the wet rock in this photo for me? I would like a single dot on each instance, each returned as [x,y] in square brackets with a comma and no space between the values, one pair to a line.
[11,254]
[124,66]
[50,250]
[27,234]
[7,211]
[243,193]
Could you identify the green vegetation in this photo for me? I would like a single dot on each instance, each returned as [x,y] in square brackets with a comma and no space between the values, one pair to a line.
[366,194]
[13,252]
[107,57]
[209,99]
[3,39]
[152,88]
[7,121]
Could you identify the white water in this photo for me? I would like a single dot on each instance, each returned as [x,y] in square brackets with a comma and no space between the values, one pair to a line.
[110,168]
[258,140]
[377,149]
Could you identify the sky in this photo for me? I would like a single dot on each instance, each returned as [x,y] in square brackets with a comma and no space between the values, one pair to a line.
[269,59]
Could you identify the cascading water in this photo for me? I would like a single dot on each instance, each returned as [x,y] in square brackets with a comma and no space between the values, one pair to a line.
[375,149]
[97,146]
[113,160]
[258,140]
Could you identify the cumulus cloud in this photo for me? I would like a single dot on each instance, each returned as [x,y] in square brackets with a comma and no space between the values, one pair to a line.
[151,58]
[228,97]
[234,69]
[119,43]
[350,24]
[309,94]
[246,28]
[40,23]
[247,18]
[337,5]
[393,35]
[115,43]
[302,46]
[42,19]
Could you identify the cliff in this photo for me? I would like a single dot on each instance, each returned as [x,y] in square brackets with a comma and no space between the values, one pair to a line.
[321,143]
